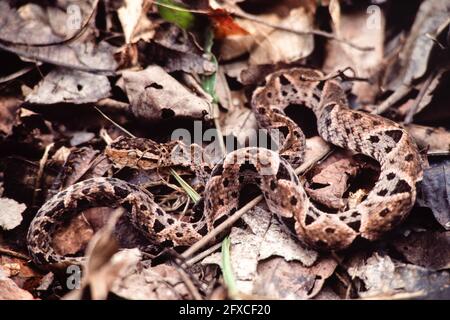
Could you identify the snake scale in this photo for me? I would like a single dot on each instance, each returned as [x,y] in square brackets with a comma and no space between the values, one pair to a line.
[384,207]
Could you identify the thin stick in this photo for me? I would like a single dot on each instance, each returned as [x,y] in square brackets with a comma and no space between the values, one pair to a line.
[393,98]
[203,254]
[238,214]
[189,284]
[115,123]
[14,254]
[42,163]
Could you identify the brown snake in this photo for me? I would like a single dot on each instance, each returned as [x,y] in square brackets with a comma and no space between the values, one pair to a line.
[385,206]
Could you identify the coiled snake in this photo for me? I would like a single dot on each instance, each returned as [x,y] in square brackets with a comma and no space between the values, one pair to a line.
[385,206]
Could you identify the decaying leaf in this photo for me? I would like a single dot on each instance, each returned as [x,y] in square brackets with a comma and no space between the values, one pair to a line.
[416,51]
[330,180]
[155,95]
[365,30]
[435,140]
[162,282]
[134,22]
[264,238]
[430,250]
[9,289]
[26,36]
[280,279]
[384,277]
[70,86]
[104,264]
[175,50]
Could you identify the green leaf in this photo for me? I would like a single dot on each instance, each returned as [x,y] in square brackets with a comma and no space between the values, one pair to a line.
[173,12]
[227,271]
[189,190]
[209,82]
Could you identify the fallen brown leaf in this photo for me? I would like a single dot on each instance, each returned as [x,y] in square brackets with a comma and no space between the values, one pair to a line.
[155,95]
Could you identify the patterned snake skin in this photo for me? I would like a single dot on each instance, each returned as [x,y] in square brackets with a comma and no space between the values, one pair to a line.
[387,204]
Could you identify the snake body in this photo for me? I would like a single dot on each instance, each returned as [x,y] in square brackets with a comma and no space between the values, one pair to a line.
[385,206]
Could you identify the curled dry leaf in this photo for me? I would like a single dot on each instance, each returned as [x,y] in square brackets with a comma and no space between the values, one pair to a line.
[155,95]
[330,179]
[134,21]
[70,86]
[104,265]
[384,277]
[280,279]
[83,162]
[10,213]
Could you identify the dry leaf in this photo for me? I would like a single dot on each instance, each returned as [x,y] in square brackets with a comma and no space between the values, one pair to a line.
[9,289]
[70,86]
[430,250]
[385,277]
[264,238]
[155,95]
[162,282]
[416,52]
[357,27]
[433,139]
[130,14]
[9,108]
[174,50]
[280,279]
[435,193]
[10,213]
[20,31]
[282,46]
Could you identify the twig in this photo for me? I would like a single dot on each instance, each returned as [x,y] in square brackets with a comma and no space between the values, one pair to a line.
[393,98]
[413,109]
[238,214]
[115,123]
[41,171]
[14,254]
[203,254]
[189,284]
[16,74]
